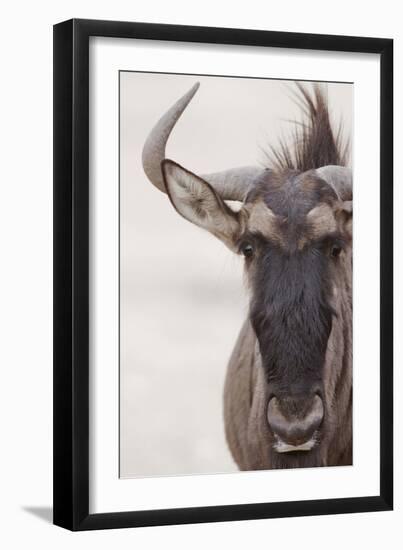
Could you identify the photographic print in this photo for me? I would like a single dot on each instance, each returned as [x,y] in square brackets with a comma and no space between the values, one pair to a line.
[207,366]
[235,274]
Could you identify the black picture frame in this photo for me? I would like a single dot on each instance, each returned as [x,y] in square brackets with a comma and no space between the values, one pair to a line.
[71,274]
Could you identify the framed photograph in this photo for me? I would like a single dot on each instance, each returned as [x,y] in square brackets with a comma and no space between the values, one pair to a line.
[223,324]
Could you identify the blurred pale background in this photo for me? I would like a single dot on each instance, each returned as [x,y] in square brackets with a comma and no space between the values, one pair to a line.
[182,297]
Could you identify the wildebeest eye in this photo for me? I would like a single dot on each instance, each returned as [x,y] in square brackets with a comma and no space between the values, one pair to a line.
[335,251]
[247,250]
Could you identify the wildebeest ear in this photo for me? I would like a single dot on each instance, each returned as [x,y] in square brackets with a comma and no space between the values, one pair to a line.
[195,200]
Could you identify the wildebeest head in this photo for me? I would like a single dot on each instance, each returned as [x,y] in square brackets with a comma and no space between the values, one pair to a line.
[294,230]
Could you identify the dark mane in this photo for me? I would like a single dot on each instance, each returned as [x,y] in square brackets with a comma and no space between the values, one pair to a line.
[314,142]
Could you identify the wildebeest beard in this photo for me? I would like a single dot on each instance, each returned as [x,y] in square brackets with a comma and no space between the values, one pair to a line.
[292,319]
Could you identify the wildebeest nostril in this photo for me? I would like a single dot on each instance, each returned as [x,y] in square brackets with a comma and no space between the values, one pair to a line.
[294,428]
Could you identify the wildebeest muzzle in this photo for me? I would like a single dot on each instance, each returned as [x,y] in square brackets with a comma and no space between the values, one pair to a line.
[295,422]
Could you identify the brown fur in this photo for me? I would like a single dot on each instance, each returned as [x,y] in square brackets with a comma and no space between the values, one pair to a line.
[262,220]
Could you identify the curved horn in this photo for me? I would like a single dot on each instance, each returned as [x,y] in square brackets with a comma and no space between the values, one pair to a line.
[339,178]
[154,147]
[231,184]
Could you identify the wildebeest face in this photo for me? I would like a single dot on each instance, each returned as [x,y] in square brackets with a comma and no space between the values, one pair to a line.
[296,241]
[295,235]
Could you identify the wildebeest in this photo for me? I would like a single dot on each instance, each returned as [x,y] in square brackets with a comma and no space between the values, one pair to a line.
[288,389]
